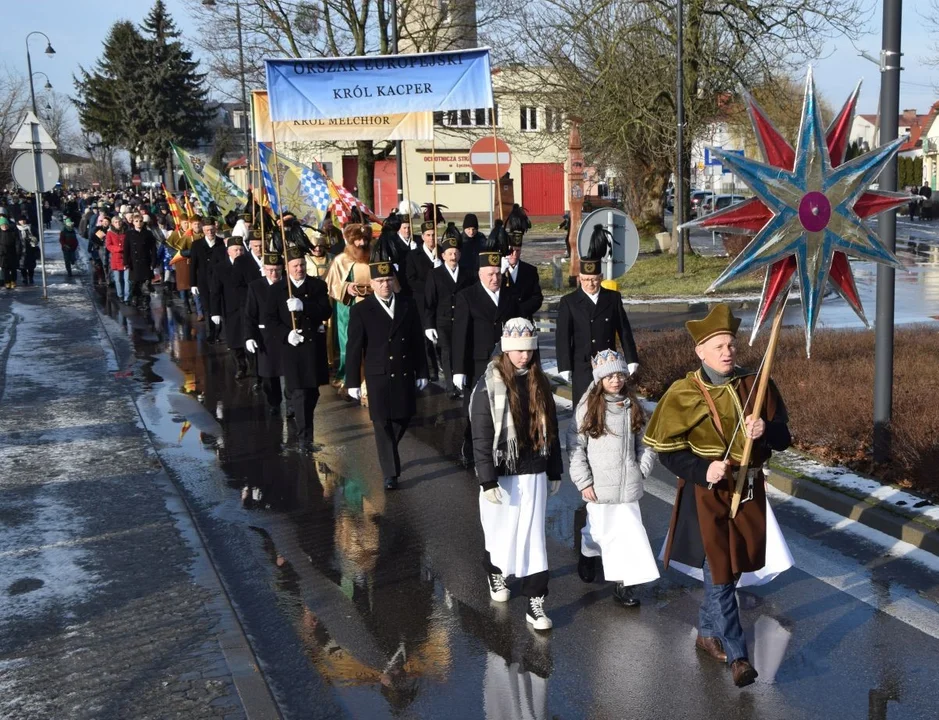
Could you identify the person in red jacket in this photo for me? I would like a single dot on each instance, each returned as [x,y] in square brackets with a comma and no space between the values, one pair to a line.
[115,244]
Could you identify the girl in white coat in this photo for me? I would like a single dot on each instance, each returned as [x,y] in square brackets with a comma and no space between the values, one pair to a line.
[608,463]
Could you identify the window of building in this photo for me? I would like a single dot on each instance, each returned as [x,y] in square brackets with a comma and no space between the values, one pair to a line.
[480,117]
[462,178]
[328,169]
[442,178]
[529,118]
[236,118]
[553,120]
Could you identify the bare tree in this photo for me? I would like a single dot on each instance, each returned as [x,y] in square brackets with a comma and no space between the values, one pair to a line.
[612,64]
[14,101]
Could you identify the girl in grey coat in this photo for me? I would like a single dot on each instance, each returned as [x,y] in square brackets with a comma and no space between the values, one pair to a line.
[608,463]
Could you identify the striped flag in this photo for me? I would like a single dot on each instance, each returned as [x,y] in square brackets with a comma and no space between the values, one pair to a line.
[173,205]
[343,201]
[304,192]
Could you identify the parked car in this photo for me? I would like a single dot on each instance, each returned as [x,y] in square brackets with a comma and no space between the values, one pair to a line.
[698,197]
[719,202]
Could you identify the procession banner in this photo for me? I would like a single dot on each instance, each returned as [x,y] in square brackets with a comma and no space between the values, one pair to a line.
[209,184]
[304,192]
[402,126]
[350,87]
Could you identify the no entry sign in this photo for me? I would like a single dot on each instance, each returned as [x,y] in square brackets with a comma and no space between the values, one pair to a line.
[490,158]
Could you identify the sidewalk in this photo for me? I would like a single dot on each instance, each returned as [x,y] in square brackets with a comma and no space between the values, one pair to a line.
[109,606]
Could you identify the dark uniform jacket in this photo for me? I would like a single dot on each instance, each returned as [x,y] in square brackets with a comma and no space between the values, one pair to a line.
[418,268]
[269,350]
[584,329]
[202,259]
[140,256]
[527,287]
[440,297]
[469,253]
[230,294]
[394,356]
[304,365]
[477,327]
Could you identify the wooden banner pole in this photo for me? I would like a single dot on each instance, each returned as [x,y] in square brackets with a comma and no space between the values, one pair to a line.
[495,150]
[762,385]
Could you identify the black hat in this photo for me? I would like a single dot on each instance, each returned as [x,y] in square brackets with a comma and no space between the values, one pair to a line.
[381,269]
[270,258]
[234,241]
[295,253]
[451,238]
[428,225]
[470,221]
[588,266]
[491,258]
[515,238]
[256,235]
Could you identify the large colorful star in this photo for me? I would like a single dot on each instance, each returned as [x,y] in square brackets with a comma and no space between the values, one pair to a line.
[808,211]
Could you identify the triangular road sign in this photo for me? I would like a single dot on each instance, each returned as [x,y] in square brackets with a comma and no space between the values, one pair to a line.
[24,136]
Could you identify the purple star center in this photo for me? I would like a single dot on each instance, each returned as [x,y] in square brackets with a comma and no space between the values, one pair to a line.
[814,211]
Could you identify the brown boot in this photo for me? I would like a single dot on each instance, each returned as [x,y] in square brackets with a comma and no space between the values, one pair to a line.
[744,672]
[712,646]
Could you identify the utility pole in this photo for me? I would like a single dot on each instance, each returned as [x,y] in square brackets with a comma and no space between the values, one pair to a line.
[678,212]
[37,157]
[886,276]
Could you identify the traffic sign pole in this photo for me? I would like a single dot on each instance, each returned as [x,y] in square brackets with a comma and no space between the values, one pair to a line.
[40,225]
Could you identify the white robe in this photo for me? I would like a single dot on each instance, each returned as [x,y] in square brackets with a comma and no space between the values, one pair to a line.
[615,532]
[514,529]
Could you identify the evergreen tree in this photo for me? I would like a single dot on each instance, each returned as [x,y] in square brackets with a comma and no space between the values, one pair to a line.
[171,93]
[102,94]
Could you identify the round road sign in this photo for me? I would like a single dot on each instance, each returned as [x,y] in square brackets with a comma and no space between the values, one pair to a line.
[625,239]
[490,158]
[25,174]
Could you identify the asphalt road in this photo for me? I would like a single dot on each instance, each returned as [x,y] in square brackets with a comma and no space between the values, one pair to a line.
[364,605]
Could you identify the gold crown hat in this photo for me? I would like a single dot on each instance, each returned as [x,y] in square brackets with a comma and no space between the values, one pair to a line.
[720,321]
[608,362]
[519,334]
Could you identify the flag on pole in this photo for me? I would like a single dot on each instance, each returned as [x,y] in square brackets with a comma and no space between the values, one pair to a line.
[304,191]
[343,201]
[173,205]
[189,211]
[209,184]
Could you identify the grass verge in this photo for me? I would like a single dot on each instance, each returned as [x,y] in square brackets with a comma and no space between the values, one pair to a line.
[654,275]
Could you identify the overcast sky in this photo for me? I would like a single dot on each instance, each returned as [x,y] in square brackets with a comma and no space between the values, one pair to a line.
[77,30]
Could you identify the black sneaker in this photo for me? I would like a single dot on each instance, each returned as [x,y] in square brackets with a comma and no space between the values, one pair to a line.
[391,483]
[498,590]
[535,615]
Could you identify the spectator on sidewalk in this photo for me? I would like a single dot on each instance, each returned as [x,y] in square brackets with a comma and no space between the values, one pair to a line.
[68,240]
[30,251]
[10,248]
[115,244]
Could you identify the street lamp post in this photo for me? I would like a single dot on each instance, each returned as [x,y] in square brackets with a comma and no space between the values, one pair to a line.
[678,201]
[37,153]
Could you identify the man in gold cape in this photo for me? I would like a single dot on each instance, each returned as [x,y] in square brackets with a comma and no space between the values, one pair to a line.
[690,430]
[348,281]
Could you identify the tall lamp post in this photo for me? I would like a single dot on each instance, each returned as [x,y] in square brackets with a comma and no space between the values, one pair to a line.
[246,126]
[37,153]
[678,202]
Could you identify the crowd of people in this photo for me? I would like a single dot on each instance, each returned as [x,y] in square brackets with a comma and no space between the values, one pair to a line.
[378,310]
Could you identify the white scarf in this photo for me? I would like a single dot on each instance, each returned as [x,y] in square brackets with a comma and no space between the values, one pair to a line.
[503,423]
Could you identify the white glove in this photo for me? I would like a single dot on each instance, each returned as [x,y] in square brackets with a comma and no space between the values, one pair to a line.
[295,338]
[251,346]
[565,376]
[420,383]
[553,487]
[494,496]
[355,393]
[459,380]
[295,304]
[431,335]
[195,291]
[632,367]
[217,319]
